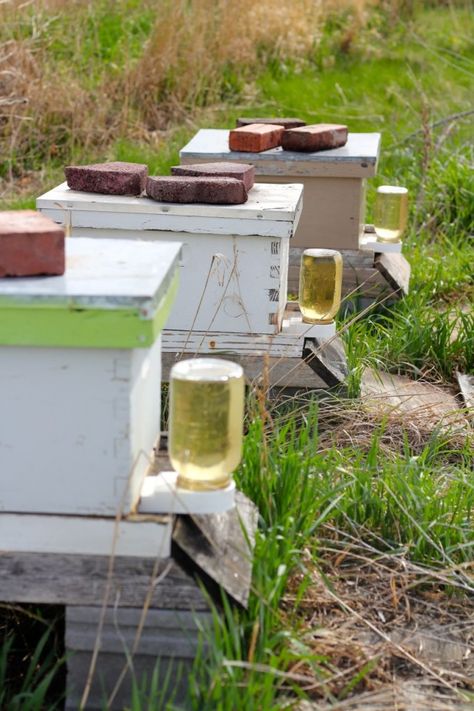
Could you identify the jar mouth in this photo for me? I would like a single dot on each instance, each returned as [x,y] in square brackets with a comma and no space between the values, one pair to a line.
[209,370]
[392,190]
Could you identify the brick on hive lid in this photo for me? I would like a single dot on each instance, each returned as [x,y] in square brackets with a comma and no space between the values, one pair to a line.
[188,189]
[116,178]
[240,171]
[285,122]
[317,137]
[255,138]
[30,245]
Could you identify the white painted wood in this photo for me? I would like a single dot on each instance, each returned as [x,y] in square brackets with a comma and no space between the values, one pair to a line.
[358,158]
[234,269]
[288,343]
[160,494]
[296,326]
[269,211]
[77,427]
[82,535]
[368,243]
[102,274]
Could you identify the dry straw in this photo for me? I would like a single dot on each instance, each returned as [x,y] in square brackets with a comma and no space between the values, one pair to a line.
[58,94]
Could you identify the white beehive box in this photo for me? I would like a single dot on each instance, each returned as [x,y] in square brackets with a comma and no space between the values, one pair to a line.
[334,182]
[80,377]
[234,266]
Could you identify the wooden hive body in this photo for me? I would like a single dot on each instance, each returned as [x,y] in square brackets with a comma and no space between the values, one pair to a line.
[80,374]
[234,265]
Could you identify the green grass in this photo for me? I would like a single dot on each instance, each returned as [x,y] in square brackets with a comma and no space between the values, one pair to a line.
[413,82]
[407,504]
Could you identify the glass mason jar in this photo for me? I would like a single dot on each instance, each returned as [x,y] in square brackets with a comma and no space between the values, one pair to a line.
[206,422]
[390,213]
[320,285]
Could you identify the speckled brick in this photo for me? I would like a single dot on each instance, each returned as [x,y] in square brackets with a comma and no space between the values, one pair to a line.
[183,189]
[285,122]
[241,171]
[255,138]
[116,178]
[30,245]
[319,137]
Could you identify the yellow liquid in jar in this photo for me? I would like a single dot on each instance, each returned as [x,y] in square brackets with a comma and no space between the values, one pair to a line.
[320,285]
[206,422]
[390,213]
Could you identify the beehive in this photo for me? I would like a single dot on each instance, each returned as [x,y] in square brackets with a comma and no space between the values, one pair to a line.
[234,264]
[80,376]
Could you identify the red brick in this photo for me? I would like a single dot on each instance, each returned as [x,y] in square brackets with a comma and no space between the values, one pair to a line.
[241,171]
[285,122]
[319,137]
[255,138]
[117,178]
[183,189]
[30,244]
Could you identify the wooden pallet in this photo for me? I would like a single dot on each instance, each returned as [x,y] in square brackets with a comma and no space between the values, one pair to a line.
[151,609]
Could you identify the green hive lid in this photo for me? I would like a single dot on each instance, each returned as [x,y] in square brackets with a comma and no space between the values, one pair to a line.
[114,294]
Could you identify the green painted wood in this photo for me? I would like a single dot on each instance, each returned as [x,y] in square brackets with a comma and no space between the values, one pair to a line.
[55,327]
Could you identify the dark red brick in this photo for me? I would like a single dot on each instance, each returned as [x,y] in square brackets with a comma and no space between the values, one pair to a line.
[220,191]
[319,137]
[241,171]
[30,244]
[285,122]
[255,138]
[108,178]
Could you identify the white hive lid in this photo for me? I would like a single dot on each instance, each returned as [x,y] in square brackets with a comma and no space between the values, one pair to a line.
[271,210]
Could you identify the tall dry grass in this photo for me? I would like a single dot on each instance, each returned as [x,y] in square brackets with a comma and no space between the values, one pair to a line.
[70,81]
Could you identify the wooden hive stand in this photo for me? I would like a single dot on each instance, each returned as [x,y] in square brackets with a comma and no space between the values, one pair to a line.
[333,213]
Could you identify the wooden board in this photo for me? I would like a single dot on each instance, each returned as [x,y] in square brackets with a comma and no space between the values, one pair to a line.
[271,210]
[466,385]
[82,535]
[328,360]
[282,372]
[358,158]
[165,645]
[221,546]
[429,406]
[83,580]
[395,269]
[285,344]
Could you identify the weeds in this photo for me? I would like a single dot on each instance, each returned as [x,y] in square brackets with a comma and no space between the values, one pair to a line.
[366,524]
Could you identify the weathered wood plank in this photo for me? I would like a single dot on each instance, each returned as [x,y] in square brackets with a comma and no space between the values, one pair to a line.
[466,386]
[328,360]
[82,580]
[282,372]
[395,269]
[167,643]
[220,545]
